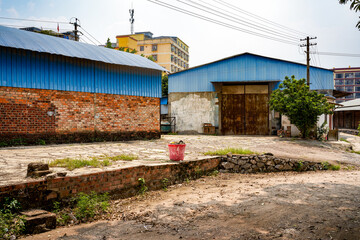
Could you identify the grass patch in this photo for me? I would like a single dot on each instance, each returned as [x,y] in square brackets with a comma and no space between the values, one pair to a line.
[82,208]
[344,140]
[334,167]
[227,150]
[357,152]
[11,222]
[102,161]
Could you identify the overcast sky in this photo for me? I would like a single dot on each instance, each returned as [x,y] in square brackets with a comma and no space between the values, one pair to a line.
[331,23]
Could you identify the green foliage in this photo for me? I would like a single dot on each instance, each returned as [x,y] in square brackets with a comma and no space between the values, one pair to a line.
[165,183]
[321,131]
[344,140]
[214,173]
[325,165]
[334,167]
[355,5]
[302,106]
[299,166]
[41,142]
[11,223]
[164,85]
[358,128]
[108,43]
[142,186]
[229,150]
[89,205]
[101,161]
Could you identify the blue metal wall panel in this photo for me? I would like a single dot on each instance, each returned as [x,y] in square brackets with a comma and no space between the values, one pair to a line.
[25,69]
[246,68]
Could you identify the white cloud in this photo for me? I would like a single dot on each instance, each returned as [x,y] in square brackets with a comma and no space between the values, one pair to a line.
[12,12]
[0,5]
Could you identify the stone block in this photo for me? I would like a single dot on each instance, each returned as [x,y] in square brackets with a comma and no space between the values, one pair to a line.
[260,164]
[253,161]
[246,166]
[38,221]
[37,169]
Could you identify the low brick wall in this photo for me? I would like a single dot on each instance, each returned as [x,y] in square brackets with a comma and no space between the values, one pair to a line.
[30,115]
[120,183]
[265,163]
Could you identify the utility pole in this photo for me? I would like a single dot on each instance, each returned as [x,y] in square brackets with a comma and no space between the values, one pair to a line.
[307,45]
[76,24]
[131,11]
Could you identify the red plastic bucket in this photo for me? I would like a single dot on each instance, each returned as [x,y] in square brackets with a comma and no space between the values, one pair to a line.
[177,151]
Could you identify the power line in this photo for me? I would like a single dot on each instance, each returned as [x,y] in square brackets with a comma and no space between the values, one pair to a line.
[338,54]
[19,26]
[90,35]
[32,20]
[221,23]
[231,6]
[89,39]
[238,20]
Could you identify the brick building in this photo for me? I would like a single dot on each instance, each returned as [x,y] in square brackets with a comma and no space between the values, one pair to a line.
[57,90]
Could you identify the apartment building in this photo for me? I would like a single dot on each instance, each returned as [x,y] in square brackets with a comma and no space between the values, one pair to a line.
[168,51]
[348,80]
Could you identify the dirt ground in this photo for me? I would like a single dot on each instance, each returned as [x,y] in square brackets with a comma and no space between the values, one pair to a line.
[14,160]
[291,205]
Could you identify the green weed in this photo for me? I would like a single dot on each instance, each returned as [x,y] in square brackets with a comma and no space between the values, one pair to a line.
[299,166]
[227,150]
[334,167]
[325,165]
[214,173]
[344,140]
[142,186]
[11,222]
[357,152]
[165,183]
[89,205]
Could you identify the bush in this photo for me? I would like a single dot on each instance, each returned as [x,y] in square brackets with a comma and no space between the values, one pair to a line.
[89,205]
[11,223]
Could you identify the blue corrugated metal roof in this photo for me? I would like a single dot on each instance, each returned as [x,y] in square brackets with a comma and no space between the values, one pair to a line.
[164,101]
[15,38]
[246,67]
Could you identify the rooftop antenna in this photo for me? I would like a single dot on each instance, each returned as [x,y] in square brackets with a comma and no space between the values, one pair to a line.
[131,11]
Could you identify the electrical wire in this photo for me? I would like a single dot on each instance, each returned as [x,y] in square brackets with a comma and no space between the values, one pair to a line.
[32,20]
[89,39]
[231,6]
[339,54]
[175,8]
[91,35]
[238,20]
[19,26]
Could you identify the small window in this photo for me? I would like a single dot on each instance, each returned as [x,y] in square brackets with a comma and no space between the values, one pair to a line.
[339,75]
[172,48]
[172,68]
[350,96]
[357,75]
[155,57]
[340,88]
[154,47]
[357,89]
[357,95]
[339,82]
[141,48]
[349,75]
[349,89]
[357,81]
[172,58]
[349,82]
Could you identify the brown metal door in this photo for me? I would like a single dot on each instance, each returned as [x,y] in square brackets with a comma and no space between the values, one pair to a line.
[256,114]
[232,114]
[245,111]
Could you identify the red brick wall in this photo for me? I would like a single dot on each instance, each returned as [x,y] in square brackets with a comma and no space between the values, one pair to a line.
[120,182]
[24,112]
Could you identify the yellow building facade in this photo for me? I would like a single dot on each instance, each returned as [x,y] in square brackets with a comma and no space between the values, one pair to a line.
[169,52]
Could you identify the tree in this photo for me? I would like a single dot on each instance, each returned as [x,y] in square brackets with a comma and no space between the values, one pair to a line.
[303,107]
[108,43]
[164,85]
[355,5]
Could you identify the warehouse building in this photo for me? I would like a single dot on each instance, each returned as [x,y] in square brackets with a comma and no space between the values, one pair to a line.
[232,94]
[57,90]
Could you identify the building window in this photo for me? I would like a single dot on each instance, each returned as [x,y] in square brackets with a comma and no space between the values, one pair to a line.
[172,48]
[349,82]
[350,96]
[357,95]
[357,81]
[155,57]
[357,89]
[339,75]
[349,75]
[154,47]
[339,82]
[141,48]
[340,88]
[172,68]
[349,89]
[357,75]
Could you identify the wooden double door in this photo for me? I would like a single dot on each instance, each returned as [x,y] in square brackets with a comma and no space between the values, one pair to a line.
[245,110]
